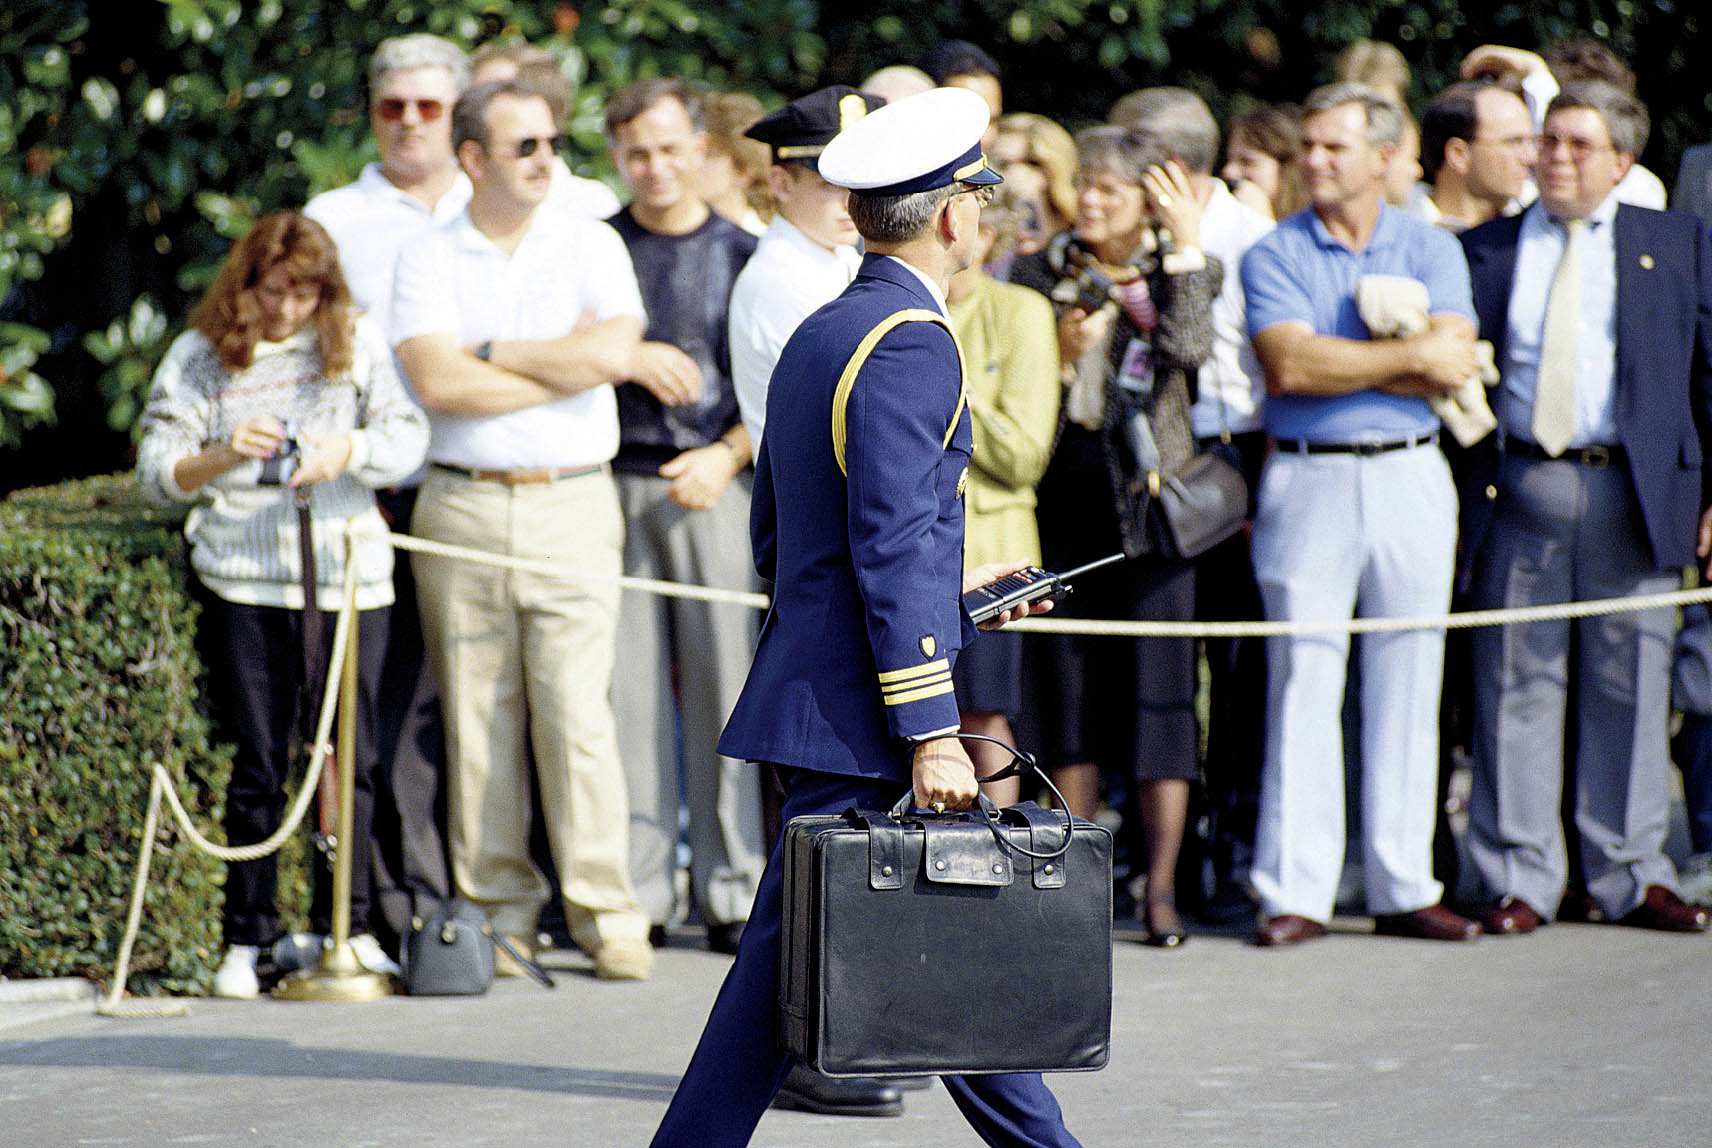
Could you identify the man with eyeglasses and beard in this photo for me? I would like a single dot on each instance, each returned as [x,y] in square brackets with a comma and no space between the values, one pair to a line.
[416,186]
[514,324]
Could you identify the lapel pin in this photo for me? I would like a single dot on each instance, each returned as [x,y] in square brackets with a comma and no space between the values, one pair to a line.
[1646,263]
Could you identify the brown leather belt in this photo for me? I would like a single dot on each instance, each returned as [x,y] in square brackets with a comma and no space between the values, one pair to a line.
[521,477]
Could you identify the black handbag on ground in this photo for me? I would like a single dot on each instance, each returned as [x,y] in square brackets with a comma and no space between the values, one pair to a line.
[918,944]
[449,953]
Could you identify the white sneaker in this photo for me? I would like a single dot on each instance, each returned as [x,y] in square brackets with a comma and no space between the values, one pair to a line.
[372,957]
[236,977]
[1695,877]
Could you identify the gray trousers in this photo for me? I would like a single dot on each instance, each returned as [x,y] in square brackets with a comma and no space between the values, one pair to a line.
[1565,532]
[1337,535]
[709,646]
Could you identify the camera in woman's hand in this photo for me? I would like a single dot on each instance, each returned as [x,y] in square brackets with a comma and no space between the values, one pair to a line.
[278,467]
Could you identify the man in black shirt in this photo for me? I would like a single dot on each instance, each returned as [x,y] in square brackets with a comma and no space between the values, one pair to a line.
[680,469]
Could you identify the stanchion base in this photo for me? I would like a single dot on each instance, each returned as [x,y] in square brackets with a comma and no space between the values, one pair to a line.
[339,980]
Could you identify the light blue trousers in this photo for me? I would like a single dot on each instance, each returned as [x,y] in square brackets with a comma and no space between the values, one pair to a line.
[1336,536]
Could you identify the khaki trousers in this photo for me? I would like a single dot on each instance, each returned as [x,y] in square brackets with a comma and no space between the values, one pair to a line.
[525,661]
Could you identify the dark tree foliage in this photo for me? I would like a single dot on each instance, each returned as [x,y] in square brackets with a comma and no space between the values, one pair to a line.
[137,138]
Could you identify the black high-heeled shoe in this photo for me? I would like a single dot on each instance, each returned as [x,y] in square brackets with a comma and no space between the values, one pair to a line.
[1173,938]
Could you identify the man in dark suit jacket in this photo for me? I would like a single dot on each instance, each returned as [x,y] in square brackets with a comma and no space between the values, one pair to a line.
[1602,319]
[858,520]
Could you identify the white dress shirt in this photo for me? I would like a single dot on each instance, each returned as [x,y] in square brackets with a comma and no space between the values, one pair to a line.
[1231,376]
[457,282]
[1539,249]
[371,220]
[789,278]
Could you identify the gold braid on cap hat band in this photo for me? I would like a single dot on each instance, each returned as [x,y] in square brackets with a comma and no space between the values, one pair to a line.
[799,151]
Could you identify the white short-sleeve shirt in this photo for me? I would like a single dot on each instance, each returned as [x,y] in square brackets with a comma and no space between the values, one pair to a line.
[789,278]
[371,220]
[457,282]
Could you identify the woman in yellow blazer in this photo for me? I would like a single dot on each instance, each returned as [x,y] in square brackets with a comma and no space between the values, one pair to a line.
[1010,359]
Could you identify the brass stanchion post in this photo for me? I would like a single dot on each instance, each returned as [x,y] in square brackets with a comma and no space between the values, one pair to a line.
[341,977]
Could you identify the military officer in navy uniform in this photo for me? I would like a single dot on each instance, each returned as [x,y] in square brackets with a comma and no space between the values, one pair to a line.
[857,520]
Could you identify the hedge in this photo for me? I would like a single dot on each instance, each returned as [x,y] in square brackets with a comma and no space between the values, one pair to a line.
[99,678]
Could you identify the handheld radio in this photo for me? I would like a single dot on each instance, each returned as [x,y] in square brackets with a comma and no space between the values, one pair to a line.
[1030,584]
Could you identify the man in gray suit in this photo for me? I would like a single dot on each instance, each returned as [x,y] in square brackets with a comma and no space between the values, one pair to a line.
[1595,488]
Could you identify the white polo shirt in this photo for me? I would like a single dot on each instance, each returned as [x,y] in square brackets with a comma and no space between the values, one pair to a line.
[1232,374]
[371,220]
[581,197]
[456,282]
[789,278]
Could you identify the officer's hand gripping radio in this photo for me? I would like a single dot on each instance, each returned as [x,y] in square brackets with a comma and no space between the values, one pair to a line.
[1030,584]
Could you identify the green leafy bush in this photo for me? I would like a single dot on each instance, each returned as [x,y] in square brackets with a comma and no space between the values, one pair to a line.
[99,679]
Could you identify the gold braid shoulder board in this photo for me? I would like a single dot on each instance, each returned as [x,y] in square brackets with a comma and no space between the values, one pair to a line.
[847,380]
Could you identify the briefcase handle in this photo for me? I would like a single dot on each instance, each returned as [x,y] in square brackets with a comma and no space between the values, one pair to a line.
[1021,762]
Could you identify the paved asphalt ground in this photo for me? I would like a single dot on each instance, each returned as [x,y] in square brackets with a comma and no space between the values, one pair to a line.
[1580,1035]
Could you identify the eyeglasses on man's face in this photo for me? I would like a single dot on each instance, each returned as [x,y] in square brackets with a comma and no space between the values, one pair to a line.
[983,192]
[529,145]
[1580,148]
[391,109]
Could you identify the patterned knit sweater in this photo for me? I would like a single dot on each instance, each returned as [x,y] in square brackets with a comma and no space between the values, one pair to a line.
[243,538]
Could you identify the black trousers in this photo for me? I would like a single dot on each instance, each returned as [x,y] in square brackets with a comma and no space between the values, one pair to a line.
[256,678]
[411,868]
[1226,591]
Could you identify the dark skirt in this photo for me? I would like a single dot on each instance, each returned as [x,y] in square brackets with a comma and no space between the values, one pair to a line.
[988,675]
[1125,703]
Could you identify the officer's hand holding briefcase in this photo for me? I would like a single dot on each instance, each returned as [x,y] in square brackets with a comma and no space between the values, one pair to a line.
[886,909]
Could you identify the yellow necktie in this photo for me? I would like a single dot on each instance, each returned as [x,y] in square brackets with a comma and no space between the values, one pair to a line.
[1554,387]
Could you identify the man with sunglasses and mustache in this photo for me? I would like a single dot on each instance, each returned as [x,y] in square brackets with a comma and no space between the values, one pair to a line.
[514,324]
[416,186]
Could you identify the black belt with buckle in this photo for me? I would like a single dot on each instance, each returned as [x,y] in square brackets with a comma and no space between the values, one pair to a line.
[1597,457]
[1301,446]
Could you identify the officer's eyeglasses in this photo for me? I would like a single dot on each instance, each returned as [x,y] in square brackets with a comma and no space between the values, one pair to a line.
[392,110]
[983,193]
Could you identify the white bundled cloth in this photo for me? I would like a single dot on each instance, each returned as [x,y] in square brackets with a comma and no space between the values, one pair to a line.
[1396,307]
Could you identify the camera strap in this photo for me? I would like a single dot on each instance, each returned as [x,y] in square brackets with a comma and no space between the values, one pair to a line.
[314,668]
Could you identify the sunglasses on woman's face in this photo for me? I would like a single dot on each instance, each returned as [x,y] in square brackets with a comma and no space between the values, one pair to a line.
[391,109]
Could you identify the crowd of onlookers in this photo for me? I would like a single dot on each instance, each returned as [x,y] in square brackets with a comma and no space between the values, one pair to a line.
[1451,358]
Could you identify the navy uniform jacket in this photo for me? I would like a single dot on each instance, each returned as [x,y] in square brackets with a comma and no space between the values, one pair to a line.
[1663,377]
[857,520]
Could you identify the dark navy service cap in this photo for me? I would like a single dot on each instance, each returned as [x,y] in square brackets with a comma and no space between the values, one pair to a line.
[802,128]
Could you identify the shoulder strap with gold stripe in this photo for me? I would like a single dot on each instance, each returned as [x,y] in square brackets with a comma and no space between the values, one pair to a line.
[847,381]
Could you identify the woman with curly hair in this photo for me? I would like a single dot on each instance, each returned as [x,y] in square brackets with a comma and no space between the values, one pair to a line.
[281,408]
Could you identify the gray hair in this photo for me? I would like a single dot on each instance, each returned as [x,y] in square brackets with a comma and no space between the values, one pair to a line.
[1125,153]
[419,50]
[1384,118]
[1625,117]
[469,114]
[897,218]
[1178,119]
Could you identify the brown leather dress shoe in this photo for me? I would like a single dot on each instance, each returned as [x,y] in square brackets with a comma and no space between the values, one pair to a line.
[1287,929]
[1509,917]
[1662,909]
[1434,923]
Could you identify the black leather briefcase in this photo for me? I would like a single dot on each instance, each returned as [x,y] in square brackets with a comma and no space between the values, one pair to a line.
[962,943]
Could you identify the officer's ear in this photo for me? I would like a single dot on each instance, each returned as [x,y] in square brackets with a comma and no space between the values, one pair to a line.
[947,222]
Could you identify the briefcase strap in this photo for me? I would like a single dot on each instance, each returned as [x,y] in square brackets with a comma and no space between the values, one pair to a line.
[1021,762]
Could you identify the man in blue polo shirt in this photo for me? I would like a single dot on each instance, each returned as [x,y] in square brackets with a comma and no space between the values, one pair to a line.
[1357,515]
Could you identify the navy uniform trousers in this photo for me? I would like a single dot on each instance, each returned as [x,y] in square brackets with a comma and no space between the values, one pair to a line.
[739,1064]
